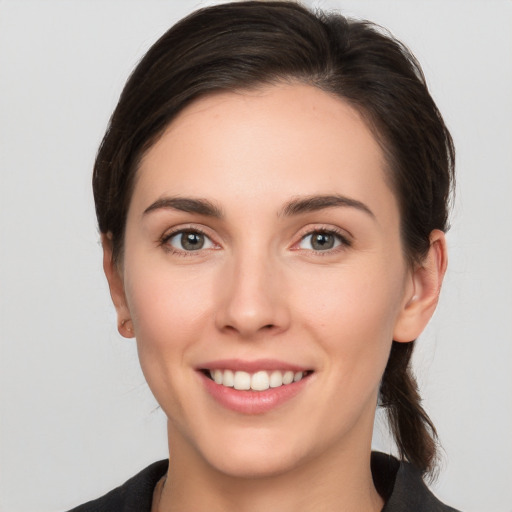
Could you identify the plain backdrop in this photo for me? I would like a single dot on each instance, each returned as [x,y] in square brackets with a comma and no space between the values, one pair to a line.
[76,417]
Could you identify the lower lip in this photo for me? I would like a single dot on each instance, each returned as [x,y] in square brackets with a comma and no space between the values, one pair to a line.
[252,402]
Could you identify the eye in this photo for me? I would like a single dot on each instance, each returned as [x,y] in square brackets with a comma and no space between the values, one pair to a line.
[322,241]
[189,240]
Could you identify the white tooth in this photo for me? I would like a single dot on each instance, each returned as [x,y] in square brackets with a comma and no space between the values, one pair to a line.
[242,381]
[217,376]
[297,376]
[228,379]
[288,377]
[276,379]
[260,381]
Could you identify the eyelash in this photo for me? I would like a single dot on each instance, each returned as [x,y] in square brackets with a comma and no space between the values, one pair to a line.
[344,242]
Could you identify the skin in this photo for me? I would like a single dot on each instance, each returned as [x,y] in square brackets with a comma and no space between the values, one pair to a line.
[260,289]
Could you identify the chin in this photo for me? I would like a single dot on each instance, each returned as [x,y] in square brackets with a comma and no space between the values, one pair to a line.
[252,465]
[250,453]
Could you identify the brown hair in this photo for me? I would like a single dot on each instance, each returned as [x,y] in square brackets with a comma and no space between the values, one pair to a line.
[243,45]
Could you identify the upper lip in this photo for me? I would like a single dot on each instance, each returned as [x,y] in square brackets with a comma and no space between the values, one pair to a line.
[251,366]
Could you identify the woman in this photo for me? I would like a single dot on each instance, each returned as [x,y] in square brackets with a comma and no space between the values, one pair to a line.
[272,193]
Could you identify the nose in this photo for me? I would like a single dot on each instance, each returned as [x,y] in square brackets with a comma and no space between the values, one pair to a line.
[253,299]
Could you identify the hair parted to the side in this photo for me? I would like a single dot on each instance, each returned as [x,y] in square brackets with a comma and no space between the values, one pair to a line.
[242,45]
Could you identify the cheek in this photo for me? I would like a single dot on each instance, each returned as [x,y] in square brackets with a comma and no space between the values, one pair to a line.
[353,314]
[164,301]
[169,310]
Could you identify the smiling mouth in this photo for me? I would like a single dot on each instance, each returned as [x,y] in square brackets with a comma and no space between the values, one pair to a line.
[258,381]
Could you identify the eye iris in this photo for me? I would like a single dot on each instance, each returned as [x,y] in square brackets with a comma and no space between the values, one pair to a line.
[322,241]
[191,241]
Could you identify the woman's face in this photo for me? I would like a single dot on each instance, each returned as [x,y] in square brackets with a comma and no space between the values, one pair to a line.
[263,245]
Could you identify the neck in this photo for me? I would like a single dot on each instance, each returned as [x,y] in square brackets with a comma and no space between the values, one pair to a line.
[329,482]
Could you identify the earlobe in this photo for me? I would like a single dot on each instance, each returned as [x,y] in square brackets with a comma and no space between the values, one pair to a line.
[116,286]
[423,292]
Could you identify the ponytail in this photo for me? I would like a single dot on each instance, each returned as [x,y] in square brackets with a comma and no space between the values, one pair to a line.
[413,431]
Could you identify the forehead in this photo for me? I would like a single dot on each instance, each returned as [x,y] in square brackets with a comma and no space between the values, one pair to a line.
[293,138]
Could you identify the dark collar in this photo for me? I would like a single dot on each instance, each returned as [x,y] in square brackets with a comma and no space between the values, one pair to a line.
[399,483]
[402,487]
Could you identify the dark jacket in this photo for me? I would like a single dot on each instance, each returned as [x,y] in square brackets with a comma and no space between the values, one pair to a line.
[399,483]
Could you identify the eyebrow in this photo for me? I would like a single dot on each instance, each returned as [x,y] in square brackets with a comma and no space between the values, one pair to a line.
[294,207]
[319,202]
[186,204]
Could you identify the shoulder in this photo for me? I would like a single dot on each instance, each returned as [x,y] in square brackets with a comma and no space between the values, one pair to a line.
[402,486]
[135,495]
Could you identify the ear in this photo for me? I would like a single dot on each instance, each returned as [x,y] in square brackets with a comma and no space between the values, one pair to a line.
[116,285]
[423,289]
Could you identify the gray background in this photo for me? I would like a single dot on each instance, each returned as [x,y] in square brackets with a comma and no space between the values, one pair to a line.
[76,417]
